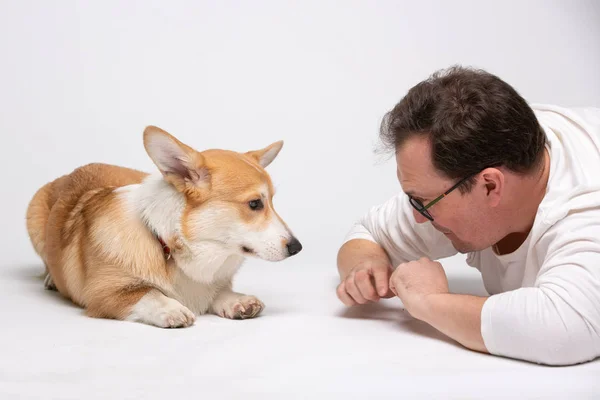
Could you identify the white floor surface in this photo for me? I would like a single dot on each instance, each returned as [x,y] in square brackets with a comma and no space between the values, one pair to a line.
[305,344]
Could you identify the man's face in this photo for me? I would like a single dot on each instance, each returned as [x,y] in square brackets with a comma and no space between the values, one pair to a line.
[464,219]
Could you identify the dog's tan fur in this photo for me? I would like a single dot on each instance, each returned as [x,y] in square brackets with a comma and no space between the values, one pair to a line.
[105,258]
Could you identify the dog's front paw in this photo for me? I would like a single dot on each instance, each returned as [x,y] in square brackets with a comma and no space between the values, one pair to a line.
[174,315]
[164,312]
[242,307]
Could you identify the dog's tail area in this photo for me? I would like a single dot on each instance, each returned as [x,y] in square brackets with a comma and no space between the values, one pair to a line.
[37,216]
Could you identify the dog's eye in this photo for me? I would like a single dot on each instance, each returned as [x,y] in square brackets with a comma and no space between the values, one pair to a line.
[256,204]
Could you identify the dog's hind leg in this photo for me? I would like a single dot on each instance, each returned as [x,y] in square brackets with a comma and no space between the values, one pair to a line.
[48,282]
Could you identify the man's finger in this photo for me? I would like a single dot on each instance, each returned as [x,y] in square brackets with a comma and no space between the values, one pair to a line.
[344,296]
[381,277]
[365,285]
[353,291]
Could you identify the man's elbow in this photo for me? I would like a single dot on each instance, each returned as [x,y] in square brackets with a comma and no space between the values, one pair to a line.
[567,348]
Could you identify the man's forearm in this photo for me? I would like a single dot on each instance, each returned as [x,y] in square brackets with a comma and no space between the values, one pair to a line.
[457,316]
[358,251]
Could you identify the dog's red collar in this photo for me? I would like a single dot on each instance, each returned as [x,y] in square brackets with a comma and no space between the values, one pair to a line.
[166,249]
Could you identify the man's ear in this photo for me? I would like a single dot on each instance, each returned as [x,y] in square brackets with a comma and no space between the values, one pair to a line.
[174,159]
[493,180]
[265,156]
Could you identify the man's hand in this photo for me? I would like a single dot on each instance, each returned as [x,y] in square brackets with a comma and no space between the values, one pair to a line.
[412,282]
[368,281]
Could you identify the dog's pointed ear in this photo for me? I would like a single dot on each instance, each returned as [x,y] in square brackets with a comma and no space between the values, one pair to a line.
[265,156]
[173,158]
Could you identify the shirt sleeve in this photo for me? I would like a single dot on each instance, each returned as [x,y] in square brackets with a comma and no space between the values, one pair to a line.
[557,321]
[393,227]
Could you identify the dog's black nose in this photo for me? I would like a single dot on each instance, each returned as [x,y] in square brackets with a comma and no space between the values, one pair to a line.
[294,246]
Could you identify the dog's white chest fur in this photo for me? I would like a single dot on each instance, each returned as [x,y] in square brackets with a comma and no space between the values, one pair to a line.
[198,281]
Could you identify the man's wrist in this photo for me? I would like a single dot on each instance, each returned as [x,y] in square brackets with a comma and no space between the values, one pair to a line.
[425,308]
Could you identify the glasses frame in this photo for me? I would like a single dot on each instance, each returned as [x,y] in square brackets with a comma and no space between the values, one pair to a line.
[422,208]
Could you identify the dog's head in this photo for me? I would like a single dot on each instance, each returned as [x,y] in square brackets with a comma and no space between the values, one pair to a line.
[228,196]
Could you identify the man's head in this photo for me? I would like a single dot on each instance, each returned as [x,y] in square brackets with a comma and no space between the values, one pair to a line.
[466,127]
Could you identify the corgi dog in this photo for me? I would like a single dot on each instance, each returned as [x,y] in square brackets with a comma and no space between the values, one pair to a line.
[160,248]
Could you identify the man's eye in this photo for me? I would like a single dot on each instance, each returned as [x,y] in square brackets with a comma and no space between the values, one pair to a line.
[256,204]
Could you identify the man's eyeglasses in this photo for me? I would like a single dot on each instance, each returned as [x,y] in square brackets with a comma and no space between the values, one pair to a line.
[422,208]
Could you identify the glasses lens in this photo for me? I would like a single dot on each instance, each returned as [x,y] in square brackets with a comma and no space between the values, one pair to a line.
[418,205]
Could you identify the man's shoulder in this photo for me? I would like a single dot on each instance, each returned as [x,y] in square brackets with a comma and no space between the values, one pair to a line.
[574,218]
[565,110]
[574,149]
[580,115]
[578,202]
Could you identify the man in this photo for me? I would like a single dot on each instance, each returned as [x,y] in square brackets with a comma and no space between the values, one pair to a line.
[515,189]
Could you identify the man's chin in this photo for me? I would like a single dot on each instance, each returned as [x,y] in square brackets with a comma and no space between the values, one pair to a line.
[461,247]
[462,250]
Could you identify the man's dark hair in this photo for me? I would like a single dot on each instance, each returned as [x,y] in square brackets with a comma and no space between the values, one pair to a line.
[474,121]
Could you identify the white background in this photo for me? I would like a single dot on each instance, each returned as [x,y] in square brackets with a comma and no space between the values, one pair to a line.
[79,81]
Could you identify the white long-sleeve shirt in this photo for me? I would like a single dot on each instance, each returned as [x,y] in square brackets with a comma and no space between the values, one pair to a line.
[544,303]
